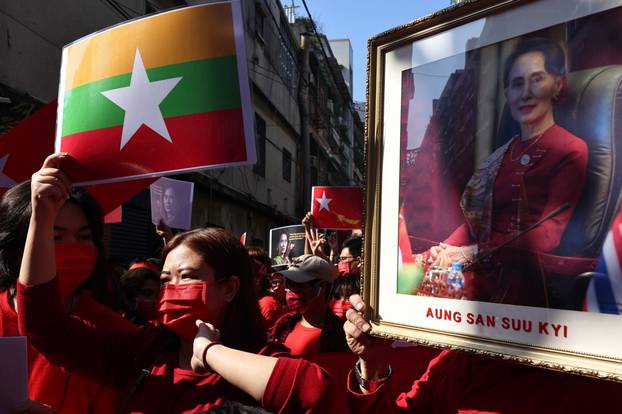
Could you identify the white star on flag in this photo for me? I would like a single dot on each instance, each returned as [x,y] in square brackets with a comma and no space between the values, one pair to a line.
[5,180]
[141,101]
[324,202]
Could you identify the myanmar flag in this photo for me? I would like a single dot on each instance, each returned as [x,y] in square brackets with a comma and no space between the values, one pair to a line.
[162,94]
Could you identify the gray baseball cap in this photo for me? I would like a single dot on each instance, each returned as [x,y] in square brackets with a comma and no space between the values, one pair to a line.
[309,267]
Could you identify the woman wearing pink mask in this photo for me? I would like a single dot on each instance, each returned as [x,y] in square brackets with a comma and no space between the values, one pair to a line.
[342,289]
[77,235]
[207,276]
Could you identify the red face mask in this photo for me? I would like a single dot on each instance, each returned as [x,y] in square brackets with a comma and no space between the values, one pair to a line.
[343,267]
[75,262]
[340,307]
[181,305]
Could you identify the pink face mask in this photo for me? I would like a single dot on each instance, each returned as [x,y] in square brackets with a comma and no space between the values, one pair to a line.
[181,305]
[75,262]
[340,307]
[343,267]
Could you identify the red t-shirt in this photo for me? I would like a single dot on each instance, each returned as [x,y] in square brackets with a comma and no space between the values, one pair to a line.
[47,383]
[271,310]
[303,340]
[109,355]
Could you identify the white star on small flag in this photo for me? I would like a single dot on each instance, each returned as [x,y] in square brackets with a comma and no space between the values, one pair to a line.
[141,101]
[324,202]
[5,180]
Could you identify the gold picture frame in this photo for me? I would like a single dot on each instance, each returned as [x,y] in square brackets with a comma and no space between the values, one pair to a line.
[438,53]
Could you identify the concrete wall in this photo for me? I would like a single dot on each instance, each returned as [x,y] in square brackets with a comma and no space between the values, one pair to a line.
[342,50]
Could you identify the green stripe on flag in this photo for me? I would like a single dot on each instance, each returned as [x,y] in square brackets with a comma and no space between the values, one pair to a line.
[206,85]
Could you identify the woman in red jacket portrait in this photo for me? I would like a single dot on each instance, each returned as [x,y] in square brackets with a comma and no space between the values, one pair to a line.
[538,170]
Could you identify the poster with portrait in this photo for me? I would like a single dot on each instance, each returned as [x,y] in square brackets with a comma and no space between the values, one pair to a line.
[493,189]
[286,243]
[171,203]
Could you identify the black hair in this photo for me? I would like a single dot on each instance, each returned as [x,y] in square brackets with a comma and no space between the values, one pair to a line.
[259,254]
[345,286]
[354,245]
[554,56]
[134,279]
[15,211]
[243,325]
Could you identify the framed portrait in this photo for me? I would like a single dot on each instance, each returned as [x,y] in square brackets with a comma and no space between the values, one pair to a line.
[492,186]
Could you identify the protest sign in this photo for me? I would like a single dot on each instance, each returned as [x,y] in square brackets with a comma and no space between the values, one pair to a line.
[165,93]
[171,202]
[337,207]
[13,373]
[286,243]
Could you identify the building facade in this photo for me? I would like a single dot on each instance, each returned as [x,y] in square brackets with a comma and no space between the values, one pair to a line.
[306,130]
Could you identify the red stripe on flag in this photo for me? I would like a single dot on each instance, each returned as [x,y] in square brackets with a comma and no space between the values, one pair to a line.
[198,140]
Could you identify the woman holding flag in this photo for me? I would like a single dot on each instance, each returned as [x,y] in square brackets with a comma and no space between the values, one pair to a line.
[208,288]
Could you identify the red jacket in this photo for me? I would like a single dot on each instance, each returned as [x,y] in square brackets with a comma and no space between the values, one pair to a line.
[143,362]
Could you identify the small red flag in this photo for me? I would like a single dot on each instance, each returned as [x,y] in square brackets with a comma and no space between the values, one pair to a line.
[337,207]
[243,239]
[115,216]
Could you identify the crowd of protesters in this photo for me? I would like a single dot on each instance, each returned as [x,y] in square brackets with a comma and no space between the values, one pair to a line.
[211,326]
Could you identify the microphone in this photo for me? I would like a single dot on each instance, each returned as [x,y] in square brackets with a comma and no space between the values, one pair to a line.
[521,233]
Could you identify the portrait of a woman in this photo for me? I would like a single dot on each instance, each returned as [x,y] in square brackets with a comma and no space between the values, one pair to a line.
[283,249]
[537,171]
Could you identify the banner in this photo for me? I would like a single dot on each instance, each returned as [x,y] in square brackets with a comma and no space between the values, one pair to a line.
[162,94]
[337,207]
[171,202]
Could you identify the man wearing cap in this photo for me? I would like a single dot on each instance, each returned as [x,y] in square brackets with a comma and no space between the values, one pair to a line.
[311,327]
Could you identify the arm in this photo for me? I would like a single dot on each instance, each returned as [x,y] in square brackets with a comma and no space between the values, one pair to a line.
[71,342]
[280,384]
[248,372]
[49,190]
[459,237]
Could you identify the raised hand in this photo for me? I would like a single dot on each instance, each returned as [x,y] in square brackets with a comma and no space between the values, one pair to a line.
[164,231]
[50,188]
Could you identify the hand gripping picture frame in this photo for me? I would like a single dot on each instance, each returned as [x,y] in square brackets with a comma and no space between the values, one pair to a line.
[492,191]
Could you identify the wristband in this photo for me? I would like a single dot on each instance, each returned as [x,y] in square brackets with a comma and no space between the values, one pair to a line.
[207,347]
[366,384]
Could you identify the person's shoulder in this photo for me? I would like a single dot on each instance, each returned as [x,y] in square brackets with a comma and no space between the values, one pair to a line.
[565,142]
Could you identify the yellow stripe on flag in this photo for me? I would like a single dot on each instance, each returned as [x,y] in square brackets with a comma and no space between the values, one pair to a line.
[174,37]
